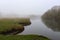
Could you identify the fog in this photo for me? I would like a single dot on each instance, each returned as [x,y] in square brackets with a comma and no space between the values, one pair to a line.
[35,8]
[25,7]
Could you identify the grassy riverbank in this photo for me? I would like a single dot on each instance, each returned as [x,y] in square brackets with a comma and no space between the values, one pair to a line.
[10,27]
[13,25]
[23,37]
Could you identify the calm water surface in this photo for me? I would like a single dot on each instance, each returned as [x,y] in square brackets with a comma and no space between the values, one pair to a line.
[38,27]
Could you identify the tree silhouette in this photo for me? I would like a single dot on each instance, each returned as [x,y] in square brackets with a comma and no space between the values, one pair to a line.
[52,18]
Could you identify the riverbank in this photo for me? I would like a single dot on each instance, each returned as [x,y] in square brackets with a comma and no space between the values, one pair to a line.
[13,25]
[23,37]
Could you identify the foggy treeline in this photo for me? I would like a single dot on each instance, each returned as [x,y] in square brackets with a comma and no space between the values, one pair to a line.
[52,18]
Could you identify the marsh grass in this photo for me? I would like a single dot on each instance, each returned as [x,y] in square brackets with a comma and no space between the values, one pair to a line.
[9,23]
[23,37]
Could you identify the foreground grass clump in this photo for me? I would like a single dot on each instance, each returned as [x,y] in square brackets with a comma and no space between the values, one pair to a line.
[13,30]
[13,25]
[23,37]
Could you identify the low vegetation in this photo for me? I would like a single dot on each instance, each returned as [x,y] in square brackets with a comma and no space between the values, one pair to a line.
[13,25]
[23,37]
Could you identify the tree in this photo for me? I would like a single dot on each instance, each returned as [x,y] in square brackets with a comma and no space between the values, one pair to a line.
[52,18]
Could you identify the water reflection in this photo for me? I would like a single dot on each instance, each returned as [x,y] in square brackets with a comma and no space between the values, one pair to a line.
[52,18]
[37,27]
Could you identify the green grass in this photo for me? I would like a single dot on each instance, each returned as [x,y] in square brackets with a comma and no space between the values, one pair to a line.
[13,25]
[23,37]
[8,24]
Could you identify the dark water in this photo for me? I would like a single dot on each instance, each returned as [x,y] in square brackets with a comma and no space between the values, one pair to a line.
[37,27]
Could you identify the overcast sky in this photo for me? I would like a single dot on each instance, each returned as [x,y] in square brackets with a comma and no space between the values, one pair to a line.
[26,7]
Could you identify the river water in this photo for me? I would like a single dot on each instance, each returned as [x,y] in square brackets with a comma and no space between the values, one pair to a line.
[38,27]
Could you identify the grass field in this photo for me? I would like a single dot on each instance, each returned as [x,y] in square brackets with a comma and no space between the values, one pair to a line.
[13,25]
[23,37]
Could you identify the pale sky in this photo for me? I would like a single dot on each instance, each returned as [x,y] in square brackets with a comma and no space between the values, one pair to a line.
[26,7]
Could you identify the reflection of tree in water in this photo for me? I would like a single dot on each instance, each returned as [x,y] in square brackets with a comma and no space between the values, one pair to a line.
[52,18]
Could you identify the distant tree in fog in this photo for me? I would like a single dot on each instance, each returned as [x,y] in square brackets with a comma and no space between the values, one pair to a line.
[52,18]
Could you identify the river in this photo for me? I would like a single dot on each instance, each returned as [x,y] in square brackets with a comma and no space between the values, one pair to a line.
[38,27]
